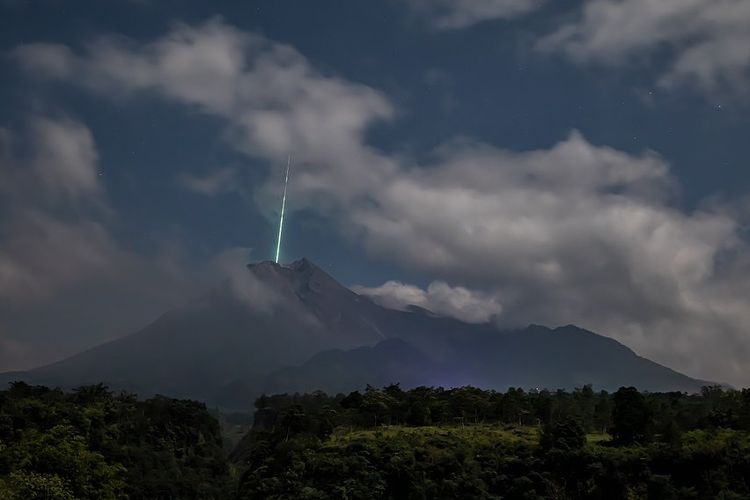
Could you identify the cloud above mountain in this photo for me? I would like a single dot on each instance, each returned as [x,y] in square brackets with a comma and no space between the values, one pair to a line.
[458,302]
[706,44]
[272,97]
[57,225]
[703,44]
[575,232]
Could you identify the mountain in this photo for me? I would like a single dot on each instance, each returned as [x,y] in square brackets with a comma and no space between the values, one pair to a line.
[392,360]
[268,317]
[533,357]
[292,328]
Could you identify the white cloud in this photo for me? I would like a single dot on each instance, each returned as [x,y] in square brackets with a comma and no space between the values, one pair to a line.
[707,43]
[454,14]
[64,157]
[42,248]
[212,183]
[59,161]
[65,281]
[255,293]
[571,233]
[274,99]
[41,253]
[439,297]
[576,233]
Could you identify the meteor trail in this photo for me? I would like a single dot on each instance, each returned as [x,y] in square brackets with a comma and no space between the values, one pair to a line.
[283,205]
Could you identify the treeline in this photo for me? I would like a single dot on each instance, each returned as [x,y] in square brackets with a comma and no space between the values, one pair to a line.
[630,416]
[93,444]
[470,443]
[380,443]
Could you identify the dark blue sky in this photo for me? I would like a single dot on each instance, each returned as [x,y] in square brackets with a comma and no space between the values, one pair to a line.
[485,80]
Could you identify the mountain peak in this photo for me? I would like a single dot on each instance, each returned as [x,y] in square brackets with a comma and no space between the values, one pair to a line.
[303,265]
[306,267]
[264,264]
[303,275]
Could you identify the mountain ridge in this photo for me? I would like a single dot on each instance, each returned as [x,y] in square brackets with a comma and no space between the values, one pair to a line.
[269,326]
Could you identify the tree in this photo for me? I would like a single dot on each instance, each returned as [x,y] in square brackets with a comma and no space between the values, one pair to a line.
[293,420]
[353,401]
[419,414]
[603,412]
[34,486]
[565,434]
[513,406]
[376,403]
[631,417]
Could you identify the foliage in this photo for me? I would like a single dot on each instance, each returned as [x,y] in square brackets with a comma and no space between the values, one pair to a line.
[379,443]
[564,434]
[469,443]
[93,444]
[631,417]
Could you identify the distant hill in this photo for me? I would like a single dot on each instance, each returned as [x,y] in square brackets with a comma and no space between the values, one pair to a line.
[295,328]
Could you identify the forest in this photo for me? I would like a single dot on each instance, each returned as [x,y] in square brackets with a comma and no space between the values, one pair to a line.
[379,443]
[93,444]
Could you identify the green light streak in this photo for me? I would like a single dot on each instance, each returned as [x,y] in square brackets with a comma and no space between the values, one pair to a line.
[283,205]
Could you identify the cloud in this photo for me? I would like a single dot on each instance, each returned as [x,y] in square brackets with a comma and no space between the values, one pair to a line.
[455,14]
[256,294]
[63,274]
[11,351]
[439,297]
[43,253]
[275,101]
[56,156]
[64,157]
[44,249]
[217,181]
[706,44]
[571,233]
[575,233]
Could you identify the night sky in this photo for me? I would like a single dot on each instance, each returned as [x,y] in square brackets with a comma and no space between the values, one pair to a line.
[514,161]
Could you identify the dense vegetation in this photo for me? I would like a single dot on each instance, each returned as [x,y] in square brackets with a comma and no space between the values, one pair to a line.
[93,444]
[380,443]
[469,443]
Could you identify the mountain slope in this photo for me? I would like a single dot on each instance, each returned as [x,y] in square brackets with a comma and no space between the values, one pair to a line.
[390,361]
[295,328]
[272,317]
[534,357]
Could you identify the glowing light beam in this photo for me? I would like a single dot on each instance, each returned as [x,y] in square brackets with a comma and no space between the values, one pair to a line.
[283,206]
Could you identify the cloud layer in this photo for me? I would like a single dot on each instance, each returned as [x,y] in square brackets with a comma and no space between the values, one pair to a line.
[275,101]
[572,233]
[706,44]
